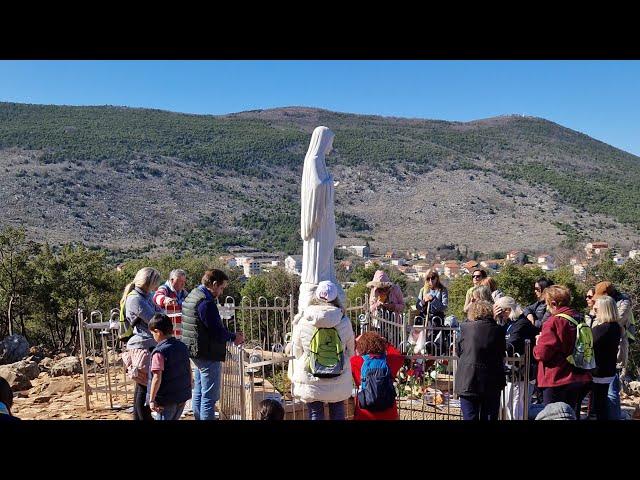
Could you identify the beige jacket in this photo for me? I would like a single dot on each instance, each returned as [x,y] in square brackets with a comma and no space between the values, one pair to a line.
[305,386]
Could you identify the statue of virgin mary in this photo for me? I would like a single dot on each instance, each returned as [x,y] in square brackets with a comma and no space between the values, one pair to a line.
[317,218]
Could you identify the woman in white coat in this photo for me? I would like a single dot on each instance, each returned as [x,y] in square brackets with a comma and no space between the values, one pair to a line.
[324,311]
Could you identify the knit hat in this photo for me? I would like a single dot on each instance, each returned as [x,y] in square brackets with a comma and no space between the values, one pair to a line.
[380,280]
[327,291]
[603,288]
[557,411]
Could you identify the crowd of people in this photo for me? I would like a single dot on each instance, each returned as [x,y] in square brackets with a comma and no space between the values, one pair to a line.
[497,327]
[177,359]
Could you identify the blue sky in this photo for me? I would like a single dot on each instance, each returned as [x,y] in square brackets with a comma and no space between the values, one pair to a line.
[599,98]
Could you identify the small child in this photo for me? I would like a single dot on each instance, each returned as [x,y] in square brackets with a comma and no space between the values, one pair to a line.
[6,402]
[171,382]
[271,410]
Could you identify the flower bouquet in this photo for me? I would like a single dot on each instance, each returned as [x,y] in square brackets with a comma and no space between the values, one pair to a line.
[411,381]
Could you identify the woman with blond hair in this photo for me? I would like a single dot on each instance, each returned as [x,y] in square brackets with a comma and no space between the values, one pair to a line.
[481,292]
[137,300]
[433,298]
[607,331]
[496,293]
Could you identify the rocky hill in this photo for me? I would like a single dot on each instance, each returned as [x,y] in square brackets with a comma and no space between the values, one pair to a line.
[148,180]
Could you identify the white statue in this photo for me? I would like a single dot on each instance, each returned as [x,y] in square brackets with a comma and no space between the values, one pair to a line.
[317,218]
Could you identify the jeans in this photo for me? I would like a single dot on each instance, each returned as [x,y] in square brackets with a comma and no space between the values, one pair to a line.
[336,411]
[170,412]
[613,399]
[485,407]
[141,410]
[206,389]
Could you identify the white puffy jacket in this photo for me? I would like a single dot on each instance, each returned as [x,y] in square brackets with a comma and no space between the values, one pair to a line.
[305,386]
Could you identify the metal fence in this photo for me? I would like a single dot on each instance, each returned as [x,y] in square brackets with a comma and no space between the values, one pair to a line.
[103,374]
[258,369]
[426,382]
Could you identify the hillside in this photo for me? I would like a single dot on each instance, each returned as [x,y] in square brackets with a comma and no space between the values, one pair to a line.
[153,180]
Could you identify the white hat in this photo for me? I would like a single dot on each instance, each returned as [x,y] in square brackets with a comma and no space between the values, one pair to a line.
[326,291]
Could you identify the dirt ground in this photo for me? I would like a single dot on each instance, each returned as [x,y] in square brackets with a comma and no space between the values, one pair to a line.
[62,398]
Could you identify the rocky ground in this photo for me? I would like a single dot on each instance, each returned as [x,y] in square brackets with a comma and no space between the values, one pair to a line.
[63,398]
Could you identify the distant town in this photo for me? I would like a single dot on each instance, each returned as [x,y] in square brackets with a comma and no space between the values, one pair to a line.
[415,264]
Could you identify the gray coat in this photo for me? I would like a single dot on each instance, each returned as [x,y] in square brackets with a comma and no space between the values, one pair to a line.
[539,312]
[141,306]
[624,311]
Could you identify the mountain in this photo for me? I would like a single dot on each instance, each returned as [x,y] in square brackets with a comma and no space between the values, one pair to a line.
[144,180]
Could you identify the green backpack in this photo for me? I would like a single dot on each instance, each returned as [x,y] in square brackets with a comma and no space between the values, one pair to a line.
[582,356]
[326,357]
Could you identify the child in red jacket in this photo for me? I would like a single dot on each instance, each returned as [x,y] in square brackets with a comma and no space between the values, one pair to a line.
[370,343]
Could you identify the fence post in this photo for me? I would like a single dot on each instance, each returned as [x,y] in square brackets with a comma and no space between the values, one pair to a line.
[84,357]
[404,331]
[243,391]
[107,370]
[527,364]
[454,360]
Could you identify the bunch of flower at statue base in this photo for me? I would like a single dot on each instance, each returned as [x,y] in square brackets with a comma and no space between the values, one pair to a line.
[411,381]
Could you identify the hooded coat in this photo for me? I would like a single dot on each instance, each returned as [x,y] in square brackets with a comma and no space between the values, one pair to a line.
[305,386]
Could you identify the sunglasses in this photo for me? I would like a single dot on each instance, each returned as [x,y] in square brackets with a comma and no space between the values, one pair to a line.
[589,296]
[538,289]
[477,276]
[432,278]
